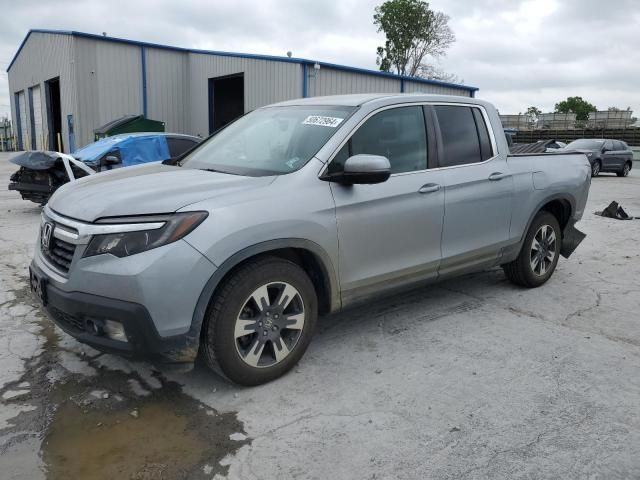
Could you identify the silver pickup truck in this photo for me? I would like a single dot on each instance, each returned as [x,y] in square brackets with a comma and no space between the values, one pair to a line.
[298,209]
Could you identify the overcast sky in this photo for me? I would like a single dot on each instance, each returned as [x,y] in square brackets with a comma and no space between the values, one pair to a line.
[519,53]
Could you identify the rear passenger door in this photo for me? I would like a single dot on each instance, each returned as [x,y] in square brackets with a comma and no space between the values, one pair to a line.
[620,153]
[389,233]
[478,189]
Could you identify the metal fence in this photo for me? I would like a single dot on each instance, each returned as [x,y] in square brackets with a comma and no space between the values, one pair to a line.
[600,120]
[630,135]
[7,140]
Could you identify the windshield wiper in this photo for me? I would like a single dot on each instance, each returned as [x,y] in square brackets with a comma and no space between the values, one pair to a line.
[216,171]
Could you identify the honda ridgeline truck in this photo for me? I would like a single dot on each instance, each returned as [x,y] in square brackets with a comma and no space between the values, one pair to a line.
[295,210]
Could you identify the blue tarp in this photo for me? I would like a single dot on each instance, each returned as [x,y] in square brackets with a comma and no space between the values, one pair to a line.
[95,150]
[134,149]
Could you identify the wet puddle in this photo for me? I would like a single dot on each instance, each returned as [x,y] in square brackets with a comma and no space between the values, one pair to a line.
[110,425]
[165,435]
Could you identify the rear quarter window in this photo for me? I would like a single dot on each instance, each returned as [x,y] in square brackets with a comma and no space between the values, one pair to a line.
[178,146]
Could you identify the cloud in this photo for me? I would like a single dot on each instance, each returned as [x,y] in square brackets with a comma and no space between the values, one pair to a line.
[519,53]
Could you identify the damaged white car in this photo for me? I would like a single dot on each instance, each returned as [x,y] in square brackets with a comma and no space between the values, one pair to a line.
[42,172]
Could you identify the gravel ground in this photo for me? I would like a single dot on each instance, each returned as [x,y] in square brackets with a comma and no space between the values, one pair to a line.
[472,378]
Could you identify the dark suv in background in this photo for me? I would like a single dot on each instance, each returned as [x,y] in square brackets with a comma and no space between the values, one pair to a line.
[613,156]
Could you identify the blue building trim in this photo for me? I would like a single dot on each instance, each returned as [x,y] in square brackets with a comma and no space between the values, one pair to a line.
[32,120]
[18,120]
[143,65]
[272,58]
[305,80]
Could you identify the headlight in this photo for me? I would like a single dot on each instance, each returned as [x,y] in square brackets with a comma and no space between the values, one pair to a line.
[123,244]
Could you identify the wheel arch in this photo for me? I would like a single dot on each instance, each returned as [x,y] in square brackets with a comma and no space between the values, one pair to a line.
[561,206]
[305,253]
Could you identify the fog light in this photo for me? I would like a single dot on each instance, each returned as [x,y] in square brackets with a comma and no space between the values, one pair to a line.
[94,327]
[114,330]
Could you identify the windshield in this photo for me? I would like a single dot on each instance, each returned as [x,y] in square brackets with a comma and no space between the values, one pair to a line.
[585,144]
[95,150]
[269,141]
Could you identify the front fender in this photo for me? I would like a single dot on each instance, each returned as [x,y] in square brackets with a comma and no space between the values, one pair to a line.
[329,274]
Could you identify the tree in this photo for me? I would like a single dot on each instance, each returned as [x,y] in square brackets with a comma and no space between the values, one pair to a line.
[413,31]
[532,114]
[432,72]
[576,105]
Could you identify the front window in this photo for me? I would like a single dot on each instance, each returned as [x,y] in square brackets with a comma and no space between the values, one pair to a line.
[269,141]
[399,134]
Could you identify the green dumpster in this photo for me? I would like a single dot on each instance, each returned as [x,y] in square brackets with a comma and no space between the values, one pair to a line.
[128,124]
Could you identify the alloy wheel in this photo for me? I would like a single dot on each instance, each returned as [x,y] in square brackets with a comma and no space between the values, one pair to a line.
[269,324]
[595,169]
[625,170]
[543,250]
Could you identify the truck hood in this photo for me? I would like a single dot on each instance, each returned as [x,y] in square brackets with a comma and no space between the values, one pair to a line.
[147,189]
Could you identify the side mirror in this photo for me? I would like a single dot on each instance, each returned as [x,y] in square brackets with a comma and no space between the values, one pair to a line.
[111,160]
[364,169]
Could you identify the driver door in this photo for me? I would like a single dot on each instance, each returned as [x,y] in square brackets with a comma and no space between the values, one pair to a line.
[389,233]
[608,156]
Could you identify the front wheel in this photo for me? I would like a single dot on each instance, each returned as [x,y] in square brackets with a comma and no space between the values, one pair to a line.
[595,168]
[261,321]
[539,255]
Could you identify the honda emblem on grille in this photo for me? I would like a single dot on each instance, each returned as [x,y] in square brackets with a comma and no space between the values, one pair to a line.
[45,237]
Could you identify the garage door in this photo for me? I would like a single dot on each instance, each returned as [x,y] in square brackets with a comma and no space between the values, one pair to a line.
[23,121]
[37,118]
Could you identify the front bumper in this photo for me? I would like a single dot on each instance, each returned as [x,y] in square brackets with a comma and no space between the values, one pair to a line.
[77,313]
[152,295]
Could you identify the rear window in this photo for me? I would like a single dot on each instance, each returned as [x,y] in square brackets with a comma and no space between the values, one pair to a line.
[585,144]
[465,138]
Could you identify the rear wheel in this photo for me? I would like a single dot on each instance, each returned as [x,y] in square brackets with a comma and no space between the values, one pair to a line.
[261,322]
[625,170]
[539,255]
[595,168]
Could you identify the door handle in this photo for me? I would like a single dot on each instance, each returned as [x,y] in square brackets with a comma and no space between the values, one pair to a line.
[494,177]
[429,188]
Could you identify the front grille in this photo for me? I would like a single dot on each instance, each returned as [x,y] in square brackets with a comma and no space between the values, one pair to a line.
[70,322]
[59,253]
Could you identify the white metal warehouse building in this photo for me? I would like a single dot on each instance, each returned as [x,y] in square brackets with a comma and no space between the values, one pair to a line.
[69,83]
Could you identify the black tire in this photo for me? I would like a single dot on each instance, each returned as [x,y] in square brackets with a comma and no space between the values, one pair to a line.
[595,168]
[221,347]
[520,271]
[625,170]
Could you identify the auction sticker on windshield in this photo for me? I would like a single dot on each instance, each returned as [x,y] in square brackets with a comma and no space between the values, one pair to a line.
[323,121]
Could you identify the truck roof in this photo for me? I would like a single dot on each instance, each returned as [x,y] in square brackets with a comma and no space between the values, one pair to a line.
[356,100]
